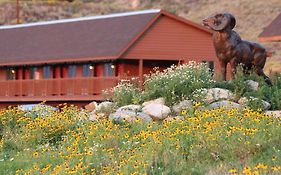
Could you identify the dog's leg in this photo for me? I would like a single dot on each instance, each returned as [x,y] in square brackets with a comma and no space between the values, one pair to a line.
[223,70]
[259,62]
[233,65]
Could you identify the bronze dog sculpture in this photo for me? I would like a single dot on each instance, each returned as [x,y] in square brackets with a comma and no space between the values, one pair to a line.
[230,48]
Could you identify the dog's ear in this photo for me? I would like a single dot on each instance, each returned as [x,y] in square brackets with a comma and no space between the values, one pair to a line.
[223,21]
[232,21]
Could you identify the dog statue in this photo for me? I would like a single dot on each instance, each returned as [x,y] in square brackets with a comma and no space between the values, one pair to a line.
[230,48]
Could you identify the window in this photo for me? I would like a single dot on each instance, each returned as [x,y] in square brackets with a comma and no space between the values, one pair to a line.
[109,69]
[72,71]
[210,65]
[46,72]
[11,74]
[87,70]
[33,74]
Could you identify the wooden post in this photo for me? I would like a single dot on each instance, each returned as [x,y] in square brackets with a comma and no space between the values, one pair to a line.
[141,72]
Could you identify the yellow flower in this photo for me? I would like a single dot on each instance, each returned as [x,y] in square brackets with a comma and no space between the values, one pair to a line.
[35,154]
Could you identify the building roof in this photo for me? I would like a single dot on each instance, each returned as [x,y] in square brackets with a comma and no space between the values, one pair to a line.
[80,39]
[273,31]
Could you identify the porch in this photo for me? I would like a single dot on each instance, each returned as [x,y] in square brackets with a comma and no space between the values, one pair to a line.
[59,89]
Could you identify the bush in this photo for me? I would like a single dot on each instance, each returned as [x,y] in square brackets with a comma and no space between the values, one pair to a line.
[177,82]
[125,93]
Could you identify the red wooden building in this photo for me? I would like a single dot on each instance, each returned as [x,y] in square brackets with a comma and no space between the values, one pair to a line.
[73,60]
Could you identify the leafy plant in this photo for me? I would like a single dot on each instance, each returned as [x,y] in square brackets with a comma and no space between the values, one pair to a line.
[177,82]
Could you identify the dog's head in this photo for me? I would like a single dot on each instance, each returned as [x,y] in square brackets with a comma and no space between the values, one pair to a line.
[220,21]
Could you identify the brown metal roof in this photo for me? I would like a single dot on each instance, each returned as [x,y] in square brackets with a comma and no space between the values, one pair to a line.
[273,31]
[74,40]
[85,38]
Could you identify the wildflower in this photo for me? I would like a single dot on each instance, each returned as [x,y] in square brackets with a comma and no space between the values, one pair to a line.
[35,154]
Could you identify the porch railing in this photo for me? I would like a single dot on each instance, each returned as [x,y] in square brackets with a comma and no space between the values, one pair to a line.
[56,87]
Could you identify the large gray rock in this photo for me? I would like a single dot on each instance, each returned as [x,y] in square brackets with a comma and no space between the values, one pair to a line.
[144,117]
[95,116]
[157,111]
[253,85]
[156,101]
[185,104]
[215,94]
[135,108]
[244,101]
[123,115]
[129,116]
[224,103]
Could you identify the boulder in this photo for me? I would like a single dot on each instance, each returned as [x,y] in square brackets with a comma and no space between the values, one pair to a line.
[276,114]
[134,108]
[177,118]
[144,117]
[224,103]
[156,101]
[185,104]
[91,106]
[157,111]
[121,115]
[95,116]
[244,101]
[253,85]
[129,116]
[215,94]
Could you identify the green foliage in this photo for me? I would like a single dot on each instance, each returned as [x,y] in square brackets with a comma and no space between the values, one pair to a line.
[125,93]
[207,141]
[177,82]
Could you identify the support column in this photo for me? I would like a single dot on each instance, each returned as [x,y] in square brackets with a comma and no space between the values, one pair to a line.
[141,72]
[19,73]
[57,71]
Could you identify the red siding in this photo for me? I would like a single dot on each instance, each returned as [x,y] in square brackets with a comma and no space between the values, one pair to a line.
[169,39]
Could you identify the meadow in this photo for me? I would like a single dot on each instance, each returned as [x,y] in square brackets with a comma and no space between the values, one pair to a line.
[215,141]
[199,141]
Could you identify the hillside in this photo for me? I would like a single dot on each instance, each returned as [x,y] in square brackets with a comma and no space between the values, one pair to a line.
[252,15]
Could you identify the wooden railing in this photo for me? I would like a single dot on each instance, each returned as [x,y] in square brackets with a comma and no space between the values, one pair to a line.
[63,87]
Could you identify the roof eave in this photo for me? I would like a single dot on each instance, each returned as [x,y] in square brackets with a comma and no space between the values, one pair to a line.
[60,61]
[269,38]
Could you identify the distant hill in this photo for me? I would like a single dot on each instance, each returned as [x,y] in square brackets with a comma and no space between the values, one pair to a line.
[252,15]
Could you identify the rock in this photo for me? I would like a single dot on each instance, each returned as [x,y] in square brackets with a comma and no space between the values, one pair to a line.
[156,101]
[215,94]
[95,116]
[120,115]
[244,101]
[104,106]
[144,117]
[134,108]
[185,104]
[276,114]
[253,85]
[157,111]
[91,106]
[177,118]
[224,103]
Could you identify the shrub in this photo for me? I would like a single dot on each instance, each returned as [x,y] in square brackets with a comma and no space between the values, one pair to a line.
[177,82]
[125,93]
